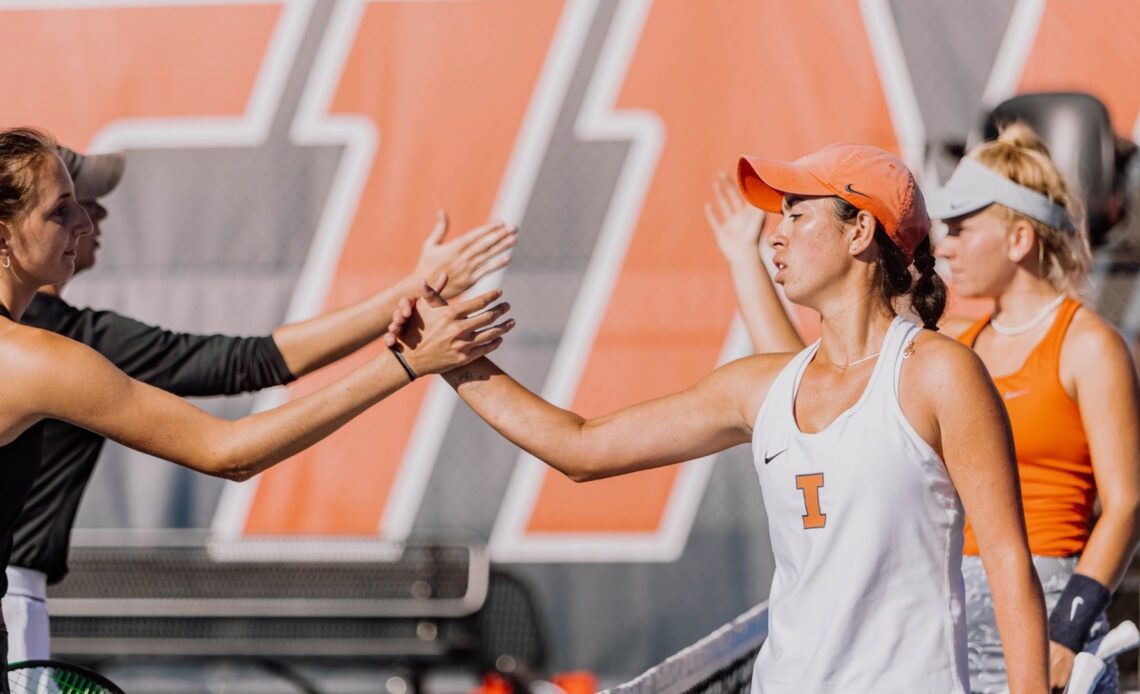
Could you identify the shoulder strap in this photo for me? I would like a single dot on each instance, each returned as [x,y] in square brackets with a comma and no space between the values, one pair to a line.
[1050,346]
[971,334]
[901,346]
[778,402]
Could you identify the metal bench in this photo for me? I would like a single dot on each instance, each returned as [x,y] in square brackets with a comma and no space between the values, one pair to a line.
[419,604]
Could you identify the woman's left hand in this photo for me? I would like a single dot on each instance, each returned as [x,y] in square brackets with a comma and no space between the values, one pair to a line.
[1060,665]
[735,223]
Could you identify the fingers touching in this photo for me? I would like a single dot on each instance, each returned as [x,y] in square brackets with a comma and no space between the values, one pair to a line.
[432,292]
[456,264]
[400,318]
[477,304]
[476,325]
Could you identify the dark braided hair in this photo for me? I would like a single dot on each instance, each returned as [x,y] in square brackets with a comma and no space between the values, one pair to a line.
[925,289]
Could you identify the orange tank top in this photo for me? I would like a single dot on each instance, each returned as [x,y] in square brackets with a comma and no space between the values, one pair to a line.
[1057,485]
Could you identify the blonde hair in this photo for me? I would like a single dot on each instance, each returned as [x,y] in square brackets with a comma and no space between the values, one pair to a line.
[1020,155]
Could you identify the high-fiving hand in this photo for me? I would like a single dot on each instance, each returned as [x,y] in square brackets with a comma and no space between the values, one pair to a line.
[467,258]
[435,336]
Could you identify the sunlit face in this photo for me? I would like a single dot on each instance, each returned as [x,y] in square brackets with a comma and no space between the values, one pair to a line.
[43,243]
[809,254]
[89,243]
[977,249]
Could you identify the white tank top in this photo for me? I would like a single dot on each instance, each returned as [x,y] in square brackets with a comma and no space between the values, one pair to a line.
[866,529]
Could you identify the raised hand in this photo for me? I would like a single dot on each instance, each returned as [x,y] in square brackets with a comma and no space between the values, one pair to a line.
[467,258]
[736,225]
[435,336]
[734,222]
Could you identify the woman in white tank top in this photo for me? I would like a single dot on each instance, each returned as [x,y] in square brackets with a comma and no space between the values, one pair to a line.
[868,443]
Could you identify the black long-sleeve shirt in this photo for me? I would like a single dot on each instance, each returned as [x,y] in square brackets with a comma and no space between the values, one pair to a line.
[20,463]
[186,365]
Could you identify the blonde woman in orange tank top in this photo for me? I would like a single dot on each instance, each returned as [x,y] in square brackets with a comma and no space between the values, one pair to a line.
[1069,385]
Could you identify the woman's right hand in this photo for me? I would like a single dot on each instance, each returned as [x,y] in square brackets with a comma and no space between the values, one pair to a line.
[435,336]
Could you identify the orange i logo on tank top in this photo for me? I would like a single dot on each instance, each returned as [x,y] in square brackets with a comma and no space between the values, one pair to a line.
[809,485]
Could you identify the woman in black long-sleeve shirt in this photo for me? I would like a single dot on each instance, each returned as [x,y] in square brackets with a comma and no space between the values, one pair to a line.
[41,224]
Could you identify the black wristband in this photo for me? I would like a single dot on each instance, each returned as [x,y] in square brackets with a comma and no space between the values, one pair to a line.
[403,363]
[1080,604]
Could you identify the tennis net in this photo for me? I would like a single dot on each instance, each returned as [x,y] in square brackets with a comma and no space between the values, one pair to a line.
[720,663]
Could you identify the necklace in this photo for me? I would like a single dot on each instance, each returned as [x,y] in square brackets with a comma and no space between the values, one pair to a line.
[1026,327]
[869,357]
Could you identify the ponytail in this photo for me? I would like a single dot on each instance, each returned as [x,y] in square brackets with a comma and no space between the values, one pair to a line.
[928,298]
[925,290]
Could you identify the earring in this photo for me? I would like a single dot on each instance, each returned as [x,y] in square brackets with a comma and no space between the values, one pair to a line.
[6,262]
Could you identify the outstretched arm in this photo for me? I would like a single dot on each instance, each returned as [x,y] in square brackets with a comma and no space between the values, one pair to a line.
[61,379]
[737,226]
[314,343]
[181,363]
[971,426]
[714,414]
[696,422]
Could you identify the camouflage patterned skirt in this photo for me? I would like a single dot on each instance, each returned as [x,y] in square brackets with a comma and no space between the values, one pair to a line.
[987,666]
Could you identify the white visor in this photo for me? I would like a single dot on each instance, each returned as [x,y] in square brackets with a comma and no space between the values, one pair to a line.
[974,186]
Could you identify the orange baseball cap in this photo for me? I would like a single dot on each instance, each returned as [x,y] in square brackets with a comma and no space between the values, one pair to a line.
[869,178]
